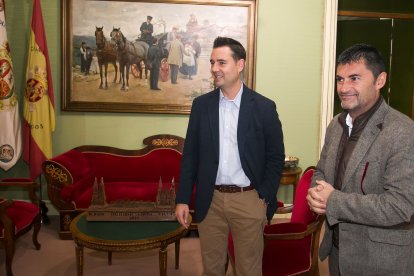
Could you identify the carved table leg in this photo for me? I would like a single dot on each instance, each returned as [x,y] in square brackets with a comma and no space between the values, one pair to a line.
[177,254]
[109,257]
[79,259]
[163,260]
[43,212]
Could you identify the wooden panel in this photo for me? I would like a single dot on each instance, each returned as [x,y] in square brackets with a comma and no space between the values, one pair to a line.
[402,75]
[360,31]
[394,6]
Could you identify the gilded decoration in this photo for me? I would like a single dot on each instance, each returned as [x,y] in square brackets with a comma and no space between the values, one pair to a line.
[56,173]
[36,85]
[8,99]
[67,219]
[165,142]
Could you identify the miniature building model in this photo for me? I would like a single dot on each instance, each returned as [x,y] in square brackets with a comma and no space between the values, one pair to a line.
[166,197]
[98,194]
[162,209]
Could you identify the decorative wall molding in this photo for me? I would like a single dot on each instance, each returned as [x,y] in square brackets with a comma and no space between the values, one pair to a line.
[328,67]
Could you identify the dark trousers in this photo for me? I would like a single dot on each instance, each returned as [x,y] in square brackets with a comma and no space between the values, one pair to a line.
[154,74]
[174,73]
[83,64]
[88,63]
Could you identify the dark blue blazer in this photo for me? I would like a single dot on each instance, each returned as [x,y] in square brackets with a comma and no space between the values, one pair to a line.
[260,142]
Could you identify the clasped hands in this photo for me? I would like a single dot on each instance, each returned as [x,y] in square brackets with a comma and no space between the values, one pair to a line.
[318,196]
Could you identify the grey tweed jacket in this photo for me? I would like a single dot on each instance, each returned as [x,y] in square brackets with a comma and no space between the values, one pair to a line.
[375,208]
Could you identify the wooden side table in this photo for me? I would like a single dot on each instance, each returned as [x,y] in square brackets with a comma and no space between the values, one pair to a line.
[290,176]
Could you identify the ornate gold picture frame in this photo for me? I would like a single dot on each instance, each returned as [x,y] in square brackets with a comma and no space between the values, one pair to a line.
[89,24]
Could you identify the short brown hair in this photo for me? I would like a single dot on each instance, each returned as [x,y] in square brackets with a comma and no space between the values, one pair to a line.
[238,50]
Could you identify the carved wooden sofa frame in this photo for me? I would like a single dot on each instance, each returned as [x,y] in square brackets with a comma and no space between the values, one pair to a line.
[58,176]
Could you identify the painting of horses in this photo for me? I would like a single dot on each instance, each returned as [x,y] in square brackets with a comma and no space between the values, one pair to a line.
[147,56]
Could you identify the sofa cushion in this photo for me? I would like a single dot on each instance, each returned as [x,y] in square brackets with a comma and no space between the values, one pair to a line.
[164,163]
[75,162]
[70,192]
[115,191]
[22,214]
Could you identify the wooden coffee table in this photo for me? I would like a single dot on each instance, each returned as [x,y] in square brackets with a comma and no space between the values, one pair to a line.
[126,236]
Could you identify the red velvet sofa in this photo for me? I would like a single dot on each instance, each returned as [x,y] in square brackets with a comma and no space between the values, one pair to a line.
[127,174]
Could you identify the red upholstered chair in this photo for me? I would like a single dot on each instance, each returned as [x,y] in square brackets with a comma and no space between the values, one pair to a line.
[17,217]
[291,248]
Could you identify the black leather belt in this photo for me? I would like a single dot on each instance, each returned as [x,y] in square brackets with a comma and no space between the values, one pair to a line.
[232,188]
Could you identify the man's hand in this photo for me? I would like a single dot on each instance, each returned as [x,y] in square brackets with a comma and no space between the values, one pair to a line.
[181,212]
[318,196]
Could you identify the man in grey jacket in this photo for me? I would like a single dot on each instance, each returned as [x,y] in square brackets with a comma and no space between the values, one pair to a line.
[364,182]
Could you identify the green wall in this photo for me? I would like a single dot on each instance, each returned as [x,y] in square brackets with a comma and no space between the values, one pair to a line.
[288,71]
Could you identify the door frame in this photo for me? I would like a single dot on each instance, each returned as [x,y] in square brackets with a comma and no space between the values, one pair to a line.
[328,68]
[329,58]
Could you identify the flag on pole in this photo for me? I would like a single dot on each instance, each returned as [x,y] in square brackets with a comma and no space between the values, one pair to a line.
[10,127]
[38,108]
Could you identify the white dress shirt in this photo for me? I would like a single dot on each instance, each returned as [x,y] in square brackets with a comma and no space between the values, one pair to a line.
[230,170]
[349,123]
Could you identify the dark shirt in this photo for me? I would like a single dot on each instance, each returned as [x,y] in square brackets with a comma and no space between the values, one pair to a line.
[346,147]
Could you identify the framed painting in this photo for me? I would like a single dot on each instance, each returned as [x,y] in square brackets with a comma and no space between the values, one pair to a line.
[110,48]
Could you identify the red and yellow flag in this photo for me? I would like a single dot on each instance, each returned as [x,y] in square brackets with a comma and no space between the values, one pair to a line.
[10,127]
[38,108]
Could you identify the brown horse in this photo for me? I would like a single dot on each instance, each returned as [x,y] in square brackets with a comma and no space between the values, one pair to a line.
[129,53]
[106,54]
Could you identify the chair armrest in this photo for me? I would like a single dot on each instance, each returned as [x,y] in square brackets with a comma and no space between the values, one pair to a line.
[291,230]
[284,209]
[23,183]
[57,177]
[4,204]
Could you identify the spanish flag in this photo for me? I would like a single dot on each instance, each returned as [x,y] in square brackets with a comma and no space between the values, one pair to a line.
[10,127]
[38,108]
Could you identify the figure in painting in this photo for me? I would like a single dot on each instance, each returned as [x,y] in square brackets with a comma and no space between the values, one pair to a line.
[197,51]
[94,68]
[88,62]
[188,65]
[146,30]
[154,63]
[171,36]
[83,56]
[175,57]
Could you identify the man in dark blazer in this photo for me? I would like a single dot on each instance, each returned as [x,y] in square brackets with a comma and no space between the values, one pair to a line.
[364,181]
[234,155]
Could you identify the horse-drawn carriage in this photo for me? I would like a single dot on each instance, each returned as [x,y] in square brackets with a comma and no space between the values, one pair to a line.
[130,55]
[138,69]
